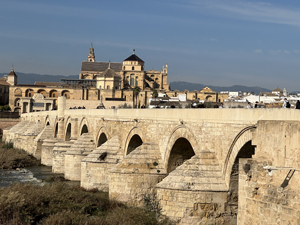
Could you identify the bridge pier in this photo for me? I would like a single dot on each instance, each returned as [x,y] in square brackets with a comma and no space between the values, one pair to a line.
[77,152]
[74,130]
[136,175]
[59,151]
[95,168]
[47,151]
[195,192]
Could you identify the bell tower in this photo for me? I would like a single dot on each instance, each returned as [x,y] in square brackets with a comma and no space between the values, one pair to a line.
[91,56]
[12,77]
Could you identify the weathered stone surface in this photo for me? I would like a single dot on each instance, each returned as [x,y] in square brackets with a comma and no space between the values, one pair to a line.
[77,152]
[203,189]
[95,167]
[59,151]
[262,200]
[136,175]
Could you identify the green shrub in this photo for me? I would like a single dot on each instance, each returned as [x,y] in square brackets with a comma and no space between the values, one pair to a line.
[8,145]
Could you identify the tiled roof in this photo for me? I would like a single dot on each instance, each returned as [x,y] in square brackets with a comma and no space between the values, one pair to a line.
[12,72]
[133,57]
[101,66]
[3,82]
[30,85]
[109,73]
[56,84]
[277,90]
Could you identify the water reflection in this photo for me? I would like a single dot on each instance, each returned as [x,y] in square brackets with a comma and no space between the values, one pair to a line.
[35,175]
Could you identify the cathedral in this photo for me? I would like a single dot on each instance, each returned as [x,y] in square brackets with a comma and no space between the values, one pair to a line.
[123,75]
[111,84]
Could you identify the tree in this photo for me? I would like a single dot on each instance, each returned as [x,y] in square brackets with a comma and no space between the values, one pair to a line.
[136,91]
[252,92]
[154,93]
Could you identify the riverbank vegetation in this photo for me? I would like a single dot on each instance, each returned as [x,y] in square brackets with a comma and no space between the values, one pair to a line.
[57,203]
[11,158]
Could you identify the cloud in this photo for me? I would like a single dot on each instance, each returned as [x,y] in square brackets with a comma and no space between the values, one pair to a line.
[214,39]
[258,51]
[248,10]
[277,52]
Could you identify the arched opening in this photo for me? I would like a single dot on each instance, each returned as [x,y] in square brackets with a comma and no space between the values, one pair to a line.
[17,102]
[53,94]
[181,151]
[29,93]
[42,91]
[48,123]
[245,152]
[208,98]
[66,93]
[56,130]
[135,142]
[102,139]
[84,129]
[68,132]
[18,92]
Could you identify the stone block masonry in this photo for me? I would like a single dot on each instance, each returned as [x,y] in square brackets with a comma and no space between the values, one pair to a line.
[188,157]
[265,199]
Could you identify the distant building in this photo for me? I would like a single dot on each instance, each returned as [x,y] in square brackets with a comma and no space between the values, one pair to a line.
[100,83]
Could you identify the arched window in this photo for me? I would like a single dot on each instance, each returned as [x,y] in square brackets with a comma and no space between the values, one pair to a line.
[133,68]
[132,81]
[108,87]
[152,75]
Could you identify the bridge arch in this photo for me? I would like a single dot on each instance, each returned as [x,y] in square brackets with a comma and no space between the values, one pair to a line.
[56,130]
[84,126]
[47,121]
[181,138]
[241,147]
[243,138]
[68,131]
[102,136]
[134,139]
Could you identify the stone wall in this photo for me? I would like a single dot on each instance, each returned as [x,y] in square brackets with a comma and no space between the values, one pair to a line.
[265,199]
[6,123]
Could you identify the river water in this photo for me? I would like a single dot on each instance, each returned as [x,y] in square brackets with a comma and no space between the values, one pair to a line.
[35,175]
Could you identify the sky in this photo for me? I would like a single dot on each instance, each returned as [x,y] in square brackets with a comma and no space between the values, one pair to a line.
[212,42]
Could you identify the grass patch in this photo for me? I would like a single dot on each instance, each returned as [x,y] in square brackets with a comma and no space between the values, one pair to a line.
[57,203]
[11,158]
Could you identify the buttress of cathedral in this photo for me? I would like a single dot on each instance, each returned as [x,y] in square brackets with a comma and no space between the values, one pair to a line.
[123,75]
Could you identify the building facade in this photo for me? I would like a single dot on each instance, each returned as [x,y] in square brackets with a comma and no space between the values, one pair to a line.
[100,83]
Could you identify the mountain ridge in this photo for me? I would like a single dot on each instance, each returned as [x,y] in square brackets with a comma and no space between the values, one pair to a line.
[31,78]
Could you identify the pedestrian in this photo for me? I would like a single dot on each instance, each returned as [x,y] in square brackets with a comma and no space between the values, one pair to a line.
[221,106]
[249,105]
[286,103]
[297,105]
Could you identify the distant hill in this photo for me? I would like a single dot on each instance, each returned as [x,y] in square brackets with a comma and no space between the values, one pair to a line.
[31,78]
[181,85]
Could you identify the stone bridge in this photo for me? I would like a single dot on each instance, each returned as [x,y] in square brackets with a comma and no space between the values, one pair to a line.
[203,165]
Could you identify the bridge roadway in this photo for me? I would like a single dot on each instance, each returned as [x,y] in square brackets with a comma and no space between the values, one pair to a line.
[188,158]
